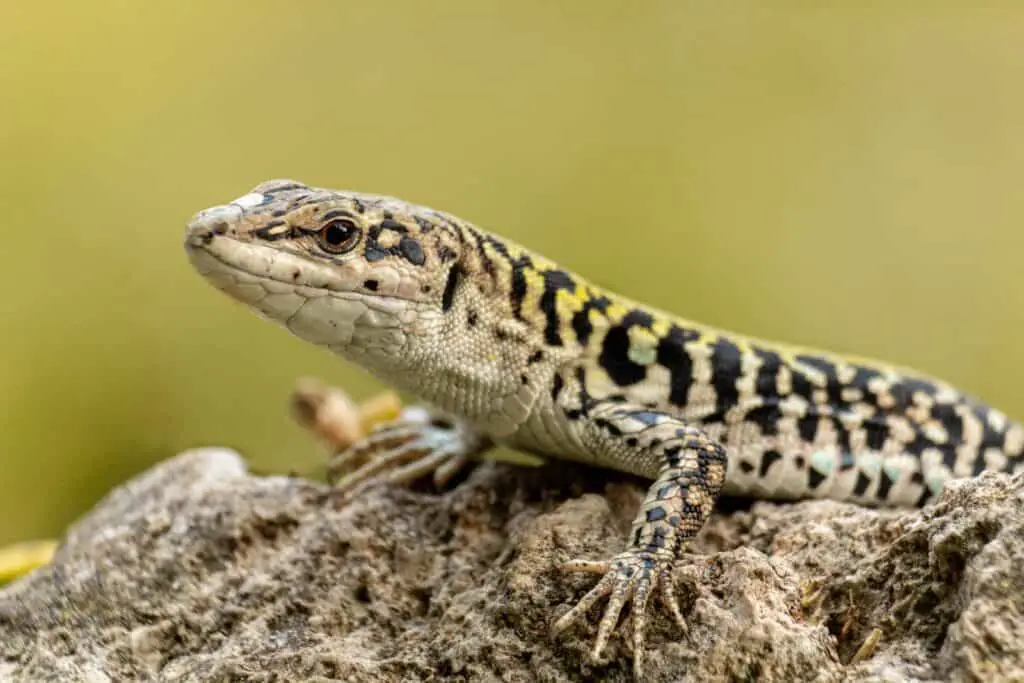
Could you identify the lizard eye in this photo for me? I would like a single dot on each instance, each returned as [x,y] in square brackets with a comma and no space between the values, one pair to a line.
[337,237]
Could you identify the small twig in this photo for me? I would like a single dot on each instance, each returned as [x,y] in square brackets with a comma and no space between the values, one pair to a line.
[334,418]
[868,647]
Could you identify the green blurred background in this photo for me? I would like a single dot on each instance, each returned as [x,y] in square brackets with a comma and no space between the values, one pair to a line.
[847,177]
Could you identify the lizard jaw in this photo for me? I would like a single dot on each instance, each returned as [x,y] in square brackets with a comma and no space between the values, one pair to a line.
[303,296]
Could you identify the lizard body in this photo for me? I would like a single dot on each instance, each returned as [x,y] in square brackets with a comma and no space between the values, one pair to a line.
[528,354]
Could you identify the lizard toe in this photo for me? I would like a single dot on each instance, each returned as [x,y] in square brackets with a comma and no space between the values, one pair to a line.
[630,578]
[401,451]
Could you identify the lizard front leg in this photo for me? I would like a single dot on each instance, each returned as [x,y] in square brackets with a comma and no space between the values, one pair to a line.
[690,471]
[402,444]
[418,443]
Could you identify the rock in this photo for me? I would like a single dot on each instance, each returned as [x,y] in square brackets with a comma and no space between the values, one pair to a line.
[198,571]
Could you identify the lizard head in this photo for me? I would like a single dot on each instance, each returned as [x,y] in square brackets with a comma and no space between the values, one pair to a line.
[354,272]
[419,298]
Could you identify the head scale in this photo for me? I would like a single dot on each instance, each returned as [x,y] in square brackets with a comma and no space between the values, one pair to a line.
[353,272]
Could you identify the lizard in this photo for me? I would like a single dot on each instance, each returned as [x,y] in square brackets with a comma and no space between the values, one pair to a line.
[521,352]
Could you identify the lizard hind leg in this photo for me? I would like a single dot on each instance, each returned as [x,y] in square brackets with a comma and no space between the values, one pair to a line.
[689,470]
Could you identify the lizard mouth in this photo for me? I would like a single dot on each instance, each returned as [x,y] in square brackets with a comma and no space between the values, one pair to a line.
[297,293]
[250,272]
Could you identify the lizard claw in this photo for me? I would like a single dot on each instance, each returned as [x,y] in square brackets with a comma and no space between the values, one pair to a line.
[401,451]
[631,575]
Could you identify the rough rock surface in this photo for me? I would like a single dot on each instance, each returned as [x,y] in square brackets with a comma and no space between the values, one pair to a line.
[199,571]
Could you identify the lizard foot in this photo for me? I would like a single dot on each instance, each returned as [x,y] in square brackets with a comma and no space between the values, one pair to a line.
[397,452]
[631,575]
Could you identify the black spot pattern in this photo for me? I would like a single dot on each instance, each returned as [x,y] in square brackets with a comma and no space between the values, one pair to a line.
[615,359]
[673,356]
[554,281]
[581,324]
[815,478]
[767,460]
[862,484]
[408,247]
[447,299]
[725,364]
[833,387]
[885,483]
[766,417]
[519,286]
[766,382]
[412,250]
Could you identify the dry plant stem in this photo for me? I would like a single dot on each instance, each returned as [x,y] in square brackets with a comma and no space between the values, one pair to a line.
[334,418]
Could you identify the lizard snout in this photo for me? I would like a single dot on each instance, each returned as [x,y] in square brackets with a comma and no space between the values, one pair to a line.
[209,223]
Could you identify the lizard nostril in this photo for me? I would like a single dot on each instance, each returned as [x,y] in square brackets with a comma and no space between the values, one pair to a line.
[206,225]
[198,234]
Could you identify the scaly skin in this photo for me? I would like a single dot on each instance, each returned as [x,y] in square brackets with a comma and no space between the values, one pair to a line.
[527,354]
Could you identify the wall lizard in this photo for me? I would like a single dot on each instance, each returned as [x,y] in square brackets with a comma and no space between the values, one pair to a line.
[524,353]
